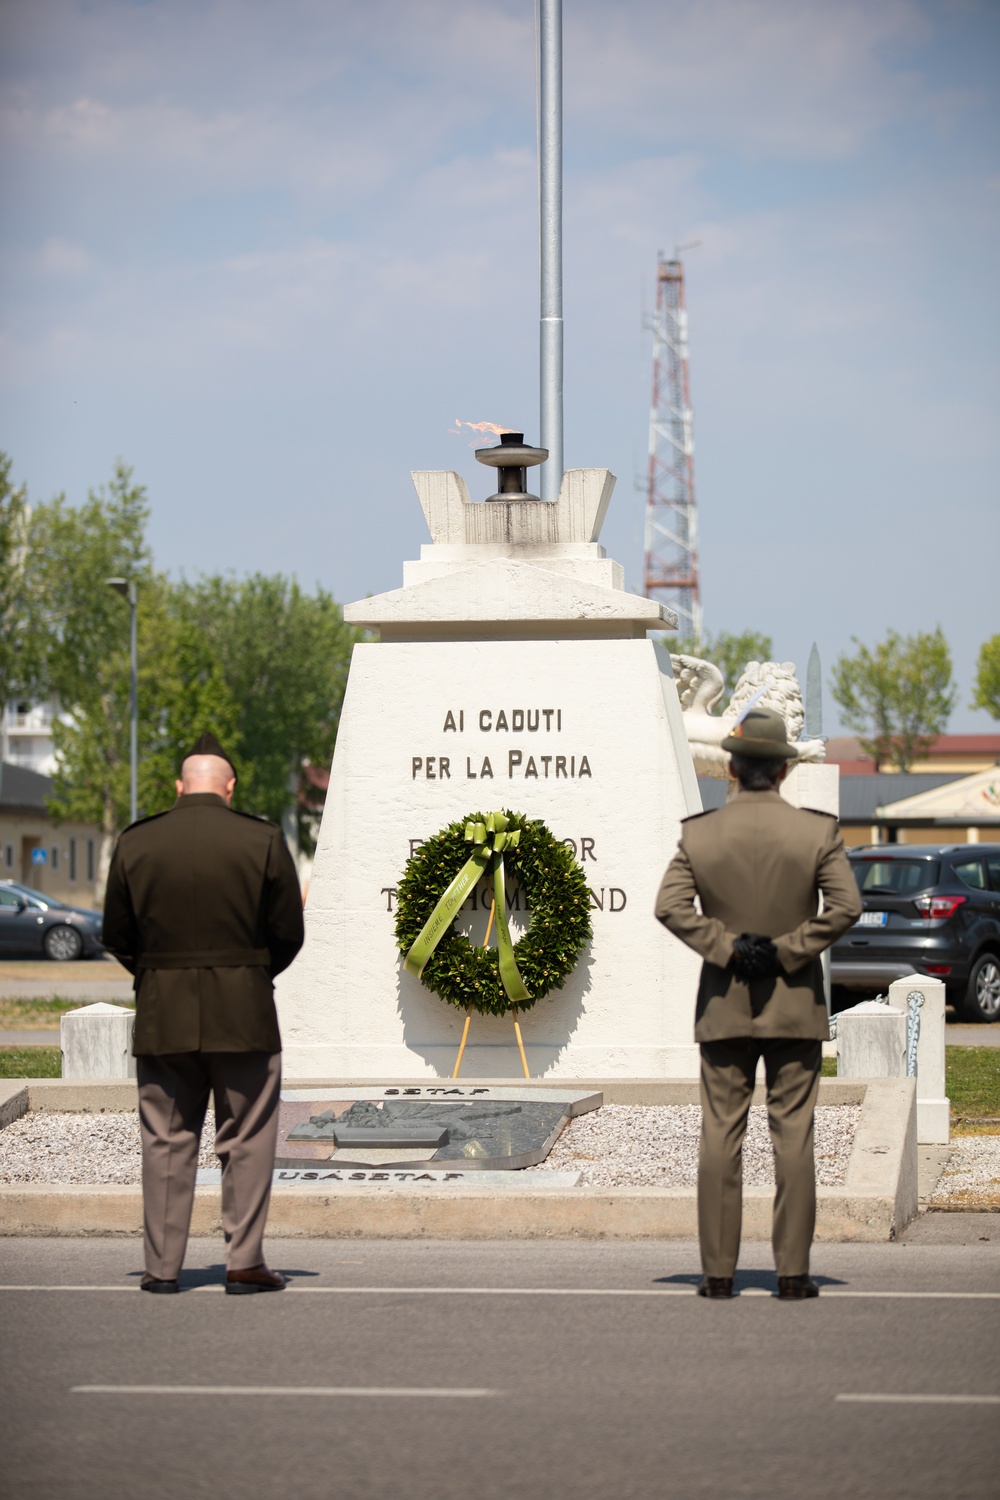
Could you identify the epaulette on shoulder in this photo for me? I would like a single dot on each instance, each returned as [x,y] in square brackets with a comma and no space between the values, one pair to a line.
[818,812]
[141,822]
[254,817]
[705,813]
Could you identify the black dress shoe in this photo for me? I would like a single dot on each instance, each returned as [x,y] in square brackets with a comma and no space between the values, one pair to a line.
[796,1288]
[155,1284]
[716,1286]
[256,1279]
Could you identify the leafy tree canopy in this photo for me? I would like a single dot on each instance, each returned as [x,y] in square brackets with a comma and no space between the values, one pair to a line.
[257,661]
[899,696]
[75,621]
[986,688]
[284,656]
[15,517]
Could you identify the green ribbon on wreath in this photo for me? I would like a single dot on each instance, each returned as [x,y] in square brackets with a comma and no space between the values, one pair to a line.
[490,840]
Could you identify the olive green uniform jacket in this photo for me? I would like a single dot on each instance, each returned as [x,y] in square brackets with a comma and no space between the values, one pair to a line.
[203,906]
[759,865]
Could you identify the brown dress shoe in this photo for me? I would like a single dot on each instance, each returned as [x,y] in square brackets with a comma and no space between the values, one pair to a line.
[796,1288]
[155,1284]
[716,1286]
[256,1279]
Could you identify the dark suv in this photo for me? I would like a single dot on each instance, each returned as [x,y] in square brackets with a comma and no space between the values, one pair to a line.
[929,909]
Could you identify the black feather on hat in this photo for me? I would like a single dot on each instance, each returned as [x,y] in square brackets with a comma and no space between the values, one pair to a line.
[207,744]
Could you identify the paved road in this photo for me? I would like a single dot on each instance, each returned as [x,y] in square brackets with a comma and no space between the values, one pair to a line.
[973,1036]
[442,1371]
[87,980]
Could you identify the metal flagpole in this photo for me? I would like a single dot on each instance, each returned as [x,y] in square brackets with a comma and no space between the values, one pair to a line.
[550,241]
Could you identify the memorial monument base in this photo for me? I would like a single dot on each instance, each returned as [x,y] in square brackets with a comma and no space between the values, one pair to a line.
[488,1059]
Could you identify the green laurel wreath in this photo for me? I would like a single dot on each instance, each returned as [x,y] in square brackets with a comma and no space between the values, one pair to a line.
[468,976]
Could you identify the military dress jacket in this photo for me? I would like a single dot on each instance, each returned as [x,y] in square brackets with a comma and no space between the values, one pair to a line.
[203,906]
[758,865]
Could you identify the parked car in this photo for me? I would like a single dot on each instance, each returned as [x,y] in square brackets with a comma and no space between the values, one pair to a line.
[929,909]
[31,922]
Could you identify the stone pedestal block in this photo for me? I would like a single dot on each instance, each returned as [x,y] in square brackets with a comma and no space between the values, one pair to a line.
[933,1106]
[813,786]
[96,1042]
[871,1041]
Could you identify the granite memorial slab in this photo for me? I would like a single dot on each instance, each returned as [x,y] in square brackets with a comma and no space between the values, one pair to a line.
[424,1127]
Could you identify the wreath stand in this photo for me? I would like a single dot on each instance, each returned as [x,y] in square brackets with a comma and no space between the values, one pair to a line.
[468,1019]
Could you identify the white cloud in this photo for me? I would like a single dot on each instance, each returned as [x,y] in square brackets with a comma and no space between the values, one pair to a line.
[59,257]
[269,252]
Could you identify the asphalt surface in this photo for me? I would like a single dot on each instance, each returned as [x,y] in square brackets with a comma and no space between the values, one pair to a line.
[450,1371]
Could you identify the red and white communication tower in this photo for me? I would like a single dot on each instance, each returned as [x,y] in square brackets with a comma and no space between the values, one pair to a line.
[671,569]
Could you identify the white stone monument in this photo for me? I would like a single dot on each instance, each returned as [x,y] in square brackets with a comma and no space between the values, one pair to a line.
[96,1042]
[513,671]
[933,1105]
[871,1041]
[901,1038]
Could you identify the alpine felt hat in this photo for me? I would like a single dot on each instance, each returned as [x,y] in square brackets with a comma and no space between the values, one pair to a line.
[207,744]
[760,735]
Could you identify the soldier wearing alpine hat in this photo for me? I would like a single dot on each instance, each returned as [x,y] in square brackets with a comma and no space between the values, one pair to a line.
[203,906]
[757,868]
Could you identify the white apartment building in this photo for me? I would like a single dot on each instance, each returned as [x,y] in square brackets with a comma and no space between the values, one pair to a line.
[26,735]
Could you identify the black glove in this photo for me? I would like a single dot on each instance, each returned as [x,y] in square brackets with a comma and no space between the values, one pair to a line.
[755,957]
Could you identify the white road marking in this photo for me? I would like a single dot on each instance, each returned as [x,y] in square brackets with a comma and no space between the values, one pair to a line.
[828,1293]
[919,1400]
[282,1390]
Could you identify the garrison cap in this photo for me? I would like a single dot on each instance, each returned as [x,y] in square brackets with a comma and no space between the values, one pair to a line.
[207,744]
[760,735]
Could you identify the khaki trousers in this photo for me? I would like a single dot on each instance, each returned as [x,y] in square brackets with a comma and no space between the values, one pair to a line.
[728,1070]
[173,1098]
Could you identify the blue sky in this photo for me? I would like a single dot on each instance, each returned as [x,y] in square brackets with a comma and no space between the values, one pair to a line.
[269,253]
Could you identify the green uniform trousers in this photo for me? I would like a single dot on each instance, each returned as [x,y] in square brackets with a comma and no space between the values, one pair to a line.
[728,1069]
[173,1099]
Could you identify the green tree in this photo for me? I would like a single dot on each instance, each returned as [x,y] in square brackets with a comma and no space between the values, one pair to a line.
[257,661]
[284,655]
[181,692]
[75,619]
[898,698]
[986,688]
[79,633]
[15,662]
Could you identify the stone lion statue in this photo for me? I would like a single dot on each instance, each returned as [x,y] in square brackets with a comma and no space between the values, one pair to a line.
[771,684]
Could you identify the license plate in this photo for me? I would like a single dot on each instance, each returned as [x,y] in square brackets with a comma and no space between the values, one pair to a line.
[872,919]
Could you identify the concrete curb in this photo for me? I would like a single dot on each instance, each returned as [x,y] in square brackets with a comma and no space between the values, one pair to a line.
[358,1211]
[119,1095]
[878,1198]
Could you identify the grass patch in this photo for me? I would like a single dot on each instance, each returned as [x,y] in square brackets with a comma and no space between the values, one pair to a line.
[30,1062]
[33,1012]
[972,1082]
[25,1012]
[829,1069]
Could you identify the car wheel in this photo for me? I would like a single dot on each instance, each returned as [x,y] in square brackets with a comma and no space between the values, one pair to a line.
[982,998]
[63,944]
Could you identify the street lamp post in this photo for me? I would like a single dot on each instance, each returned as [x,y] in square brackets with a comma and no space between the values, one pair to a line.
[127,590]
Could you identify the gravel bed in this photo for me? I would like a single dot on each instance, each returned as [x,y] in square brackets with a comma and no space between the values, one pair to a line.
[616,1146]
[51,1147]
[626,1145]
[972,1172]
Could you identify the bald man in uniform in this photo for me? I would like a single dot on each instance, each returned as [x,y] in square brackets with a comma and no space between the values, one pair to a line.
[203,906]
[757,867]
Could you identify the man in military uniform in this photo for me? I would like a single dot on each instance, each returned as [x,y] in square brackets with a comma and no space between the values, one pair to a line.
[758,866]
[203,906]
